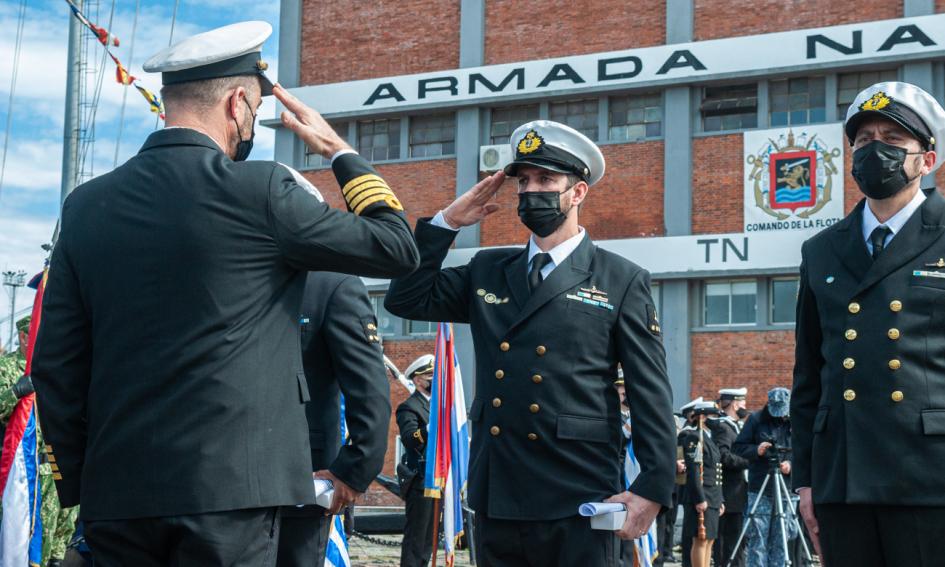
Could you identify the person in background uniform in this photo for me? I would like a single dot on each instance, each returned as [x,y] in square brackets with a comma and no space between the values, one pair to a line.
[766,431]
[703,490]
[341,354]
[550,323]
[725,430]
[168,368]
[58,523]
[413,418]
[868,406]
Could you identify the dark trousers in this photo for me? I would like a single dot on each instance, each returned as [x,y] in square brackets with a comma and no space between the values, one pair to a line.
[303,537]
[235,538]
[666,530]
[566,542]
[730,525]
[881,536]
[417,547]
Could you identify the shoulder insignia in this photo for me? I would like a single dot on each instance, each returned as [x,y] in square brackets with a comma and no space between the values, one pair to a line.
[370,329]
[653,321]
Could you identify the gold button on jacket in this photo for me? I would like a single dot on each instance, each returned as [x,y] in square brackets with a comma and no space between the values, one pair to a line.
[850,334]
[494,430]
[504,346]
[532,436]
[854,307]
[849,395]
[897,396]
[541,350]
[895,306]
[537,378]
[500,374]
[496,402]
[893,334]
[533,408]
[894,364]
[849,363]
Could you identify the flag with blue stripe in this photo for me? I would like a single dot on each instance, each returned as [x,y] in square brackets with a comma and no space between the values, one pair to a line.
[336,552]
[646,548]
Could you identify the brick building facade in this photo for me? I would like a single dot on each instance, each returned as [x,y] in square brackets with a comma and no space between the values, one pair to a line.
[674,150]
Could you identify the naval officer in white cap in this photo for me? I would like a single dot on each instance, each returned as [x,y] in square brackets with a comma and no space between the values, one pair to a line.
[868,406]
[550,322]
[168,367]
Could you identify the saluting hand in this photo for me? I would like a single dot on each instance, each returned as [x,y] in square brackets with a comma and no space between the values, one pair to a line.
[309,125]
[344,495]
[640,514]
[475,204]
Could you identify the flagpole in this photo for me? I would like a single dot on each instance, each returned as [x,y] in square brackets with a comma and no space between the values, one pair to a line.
[436,527]
[70,138]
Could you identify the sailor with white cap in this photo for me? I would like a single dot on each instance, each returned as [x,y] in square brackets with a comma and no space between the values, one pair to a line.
[869,333]
[413,418]
[725,430]
[550,323]
[187,432]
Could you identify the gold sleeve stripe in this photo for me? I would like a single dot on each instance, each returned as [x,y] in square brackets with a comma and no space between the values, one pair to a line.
[49,449]
[51,458]
[353,203]
[53,467]
[362,189]
[56,476]
[390,199]
[359,180]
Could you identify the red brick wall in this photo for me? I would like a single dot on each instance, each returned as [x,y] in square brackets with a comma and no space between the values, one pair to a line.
[717,185]
[757,360]
[346,41]
[522,31]
[939,6]
[726,18]
[423,187]
[401,353]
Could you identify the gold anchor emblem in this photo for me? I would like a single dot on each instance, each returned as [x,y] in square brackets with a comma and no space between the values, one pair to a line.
[939,264]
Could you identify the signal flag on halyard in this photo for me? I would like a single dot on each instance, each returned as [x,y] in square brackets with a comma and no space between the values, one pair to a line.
[646,548]
[448,446]
[21,529]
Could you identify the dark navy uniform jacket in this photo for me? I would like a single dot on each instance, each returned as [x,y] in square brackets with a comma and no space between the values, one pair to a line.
[710,488]
[168,364]
[413,415]
[868,405]
[546,423]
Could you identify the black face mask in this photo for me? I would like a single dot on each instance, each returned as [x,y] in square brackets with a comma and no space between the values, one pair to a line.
[878,169]
[243,147]
[742,413]
[541,212]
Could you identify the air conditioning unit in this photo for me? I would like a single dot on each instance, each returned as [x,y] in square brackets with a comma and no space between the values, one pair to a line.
[494,158]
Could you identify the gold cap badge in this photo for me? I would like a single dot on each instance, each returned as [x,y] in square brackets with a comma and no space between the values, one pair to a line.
[878,101]
[530,143]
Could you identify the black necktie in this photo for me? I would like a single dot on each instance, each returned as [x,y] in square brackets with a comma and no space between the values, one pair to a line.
[534,276]
[878,240]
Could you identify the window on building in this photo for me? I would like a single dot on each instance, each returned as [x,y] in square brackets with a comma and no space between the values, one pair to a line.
[421,328]
[387,325]
[506,120]
[578,114]
[850,84]
[633,117]
[730,303]
[379,139]
[801,100]
[783,300]
[433,135]
[657,298]
[732,107]
[316,160]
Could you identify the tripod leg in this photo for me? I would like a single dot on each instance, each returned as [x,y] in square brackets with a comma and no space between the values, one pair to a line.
[793,518]
[749,519]
[779,507]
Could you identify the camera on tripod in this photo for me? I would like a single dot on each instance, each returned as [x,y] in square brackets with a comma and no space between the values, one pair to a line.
[775,454]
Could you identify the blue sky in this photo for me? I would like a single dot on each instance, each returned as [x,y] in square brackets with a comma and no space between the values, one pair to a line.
[29,197]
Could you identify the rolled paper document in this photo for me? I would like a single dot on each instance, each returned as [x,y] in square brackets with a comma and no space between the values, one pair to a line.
[324,492]
[598,508]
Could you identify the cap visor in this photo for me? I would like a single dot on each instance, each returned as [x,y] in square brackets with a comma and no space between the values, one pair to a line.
[854,123]
[265,84]
[512,168]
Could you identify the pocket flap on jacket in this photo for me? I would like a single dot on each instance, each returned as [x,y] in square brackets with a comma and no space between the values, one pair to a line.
[303,387]
[583,428]
[933,421]
[820,420]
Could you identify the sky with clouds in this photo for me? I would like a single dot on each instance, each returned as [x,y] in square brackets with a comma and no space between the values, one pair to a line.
[29,195]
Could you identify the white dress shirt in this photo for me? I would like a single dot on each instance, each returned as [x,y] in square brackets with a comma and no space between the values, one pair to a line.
[559,253]
[895,223]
